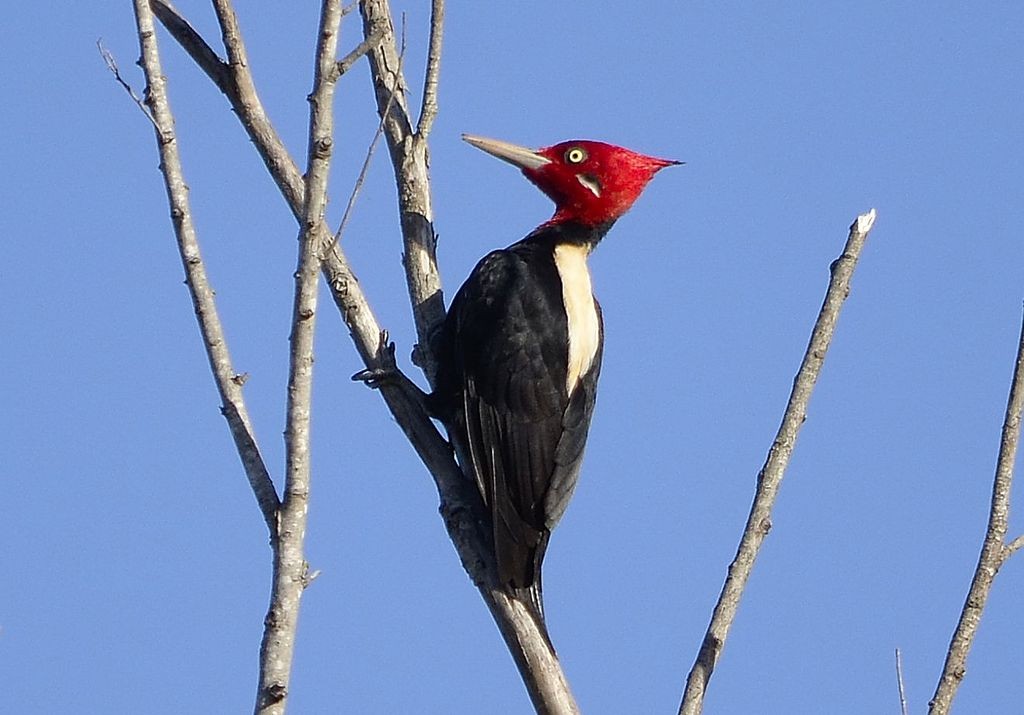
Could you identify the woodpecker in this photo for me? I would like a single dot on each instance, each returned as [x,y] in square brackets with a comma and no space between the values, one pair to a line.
[520,350]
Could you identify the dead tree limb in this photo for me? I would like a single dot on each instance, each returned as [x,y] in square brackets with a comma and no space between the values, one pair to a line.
[291,572]
[900,688]
[994,551]
[229,382]
[428,107]
[770,478]
[410,159]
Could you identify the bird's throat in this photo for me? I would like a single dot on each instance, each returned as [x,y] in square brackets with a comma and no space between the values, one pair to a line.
[581,313]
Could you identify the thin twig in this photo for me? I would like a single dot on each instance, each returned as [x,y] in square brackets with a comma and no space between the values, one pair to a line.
[899,683]
[994,551]
[357,187]
[111,63]
[428,110]
[770,477]
[291,572]
[1013,547]
[228,383]
[345,63]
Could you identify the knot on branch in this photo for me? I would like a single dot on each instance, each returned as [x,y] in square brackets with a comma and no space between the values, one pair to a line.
[712,645]
[274,693]
[270,620]
[339,285]
[322,147]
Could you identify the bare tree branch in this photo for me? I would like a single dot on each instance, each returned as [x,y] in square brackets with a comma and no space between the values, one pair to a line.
[899,683]
[409,158]
[345,63]
[428,110]
[111,63]
[345,287]
[290,568]
[1013,547]
[229,383]
[770,478]
[246,102]
[193,43]
[994,551]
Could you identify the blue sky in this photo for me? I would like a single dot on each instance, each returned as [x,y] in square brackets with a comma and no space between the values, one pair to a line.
[136,564]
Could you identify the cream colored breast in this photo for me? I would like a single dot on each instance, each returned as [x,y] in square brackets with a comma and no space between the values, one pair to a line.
[578,298]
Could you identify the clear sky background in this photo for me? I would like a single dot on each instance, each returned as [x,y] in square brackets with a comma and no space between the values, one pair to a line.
[135,563]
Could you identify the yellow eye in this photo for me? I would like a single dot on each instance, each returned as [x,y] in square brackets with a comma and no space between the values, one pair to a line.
[576,155]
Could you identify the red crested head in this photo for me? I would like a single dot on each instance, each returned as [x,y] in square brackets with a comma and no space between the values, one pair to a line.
[590,182]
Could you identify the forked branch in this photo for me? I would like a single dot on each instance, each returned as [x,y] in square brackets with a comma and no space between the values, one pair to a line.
[994,552]
[236,82]
[770,478]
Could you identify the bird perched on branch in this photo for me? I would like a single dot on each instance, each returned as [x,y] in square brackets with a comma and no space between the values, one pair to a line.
[520,351]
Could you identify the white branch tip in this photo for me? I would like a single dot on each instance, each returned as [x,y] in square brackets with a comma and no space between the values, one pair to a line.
[866,221]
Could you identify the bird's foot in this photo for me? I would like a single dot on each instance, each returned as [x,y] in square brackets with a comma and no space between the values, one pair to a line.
[386,372]
[376,377]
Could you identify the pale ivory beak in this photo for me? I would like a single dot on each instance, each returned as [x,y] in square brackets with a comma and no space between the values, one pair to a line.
[514,154]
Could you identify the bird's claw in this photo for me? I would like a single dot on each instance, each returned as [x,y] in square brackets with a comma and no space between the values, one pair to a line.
[375,377]
[386,370]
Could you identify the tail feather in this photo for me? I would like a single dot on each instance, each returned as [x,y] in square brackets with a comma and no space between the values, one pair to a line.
[520,555]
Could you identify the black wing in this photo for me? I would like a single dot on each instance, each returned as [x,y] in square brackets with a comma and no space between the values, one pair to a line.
[503,374]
